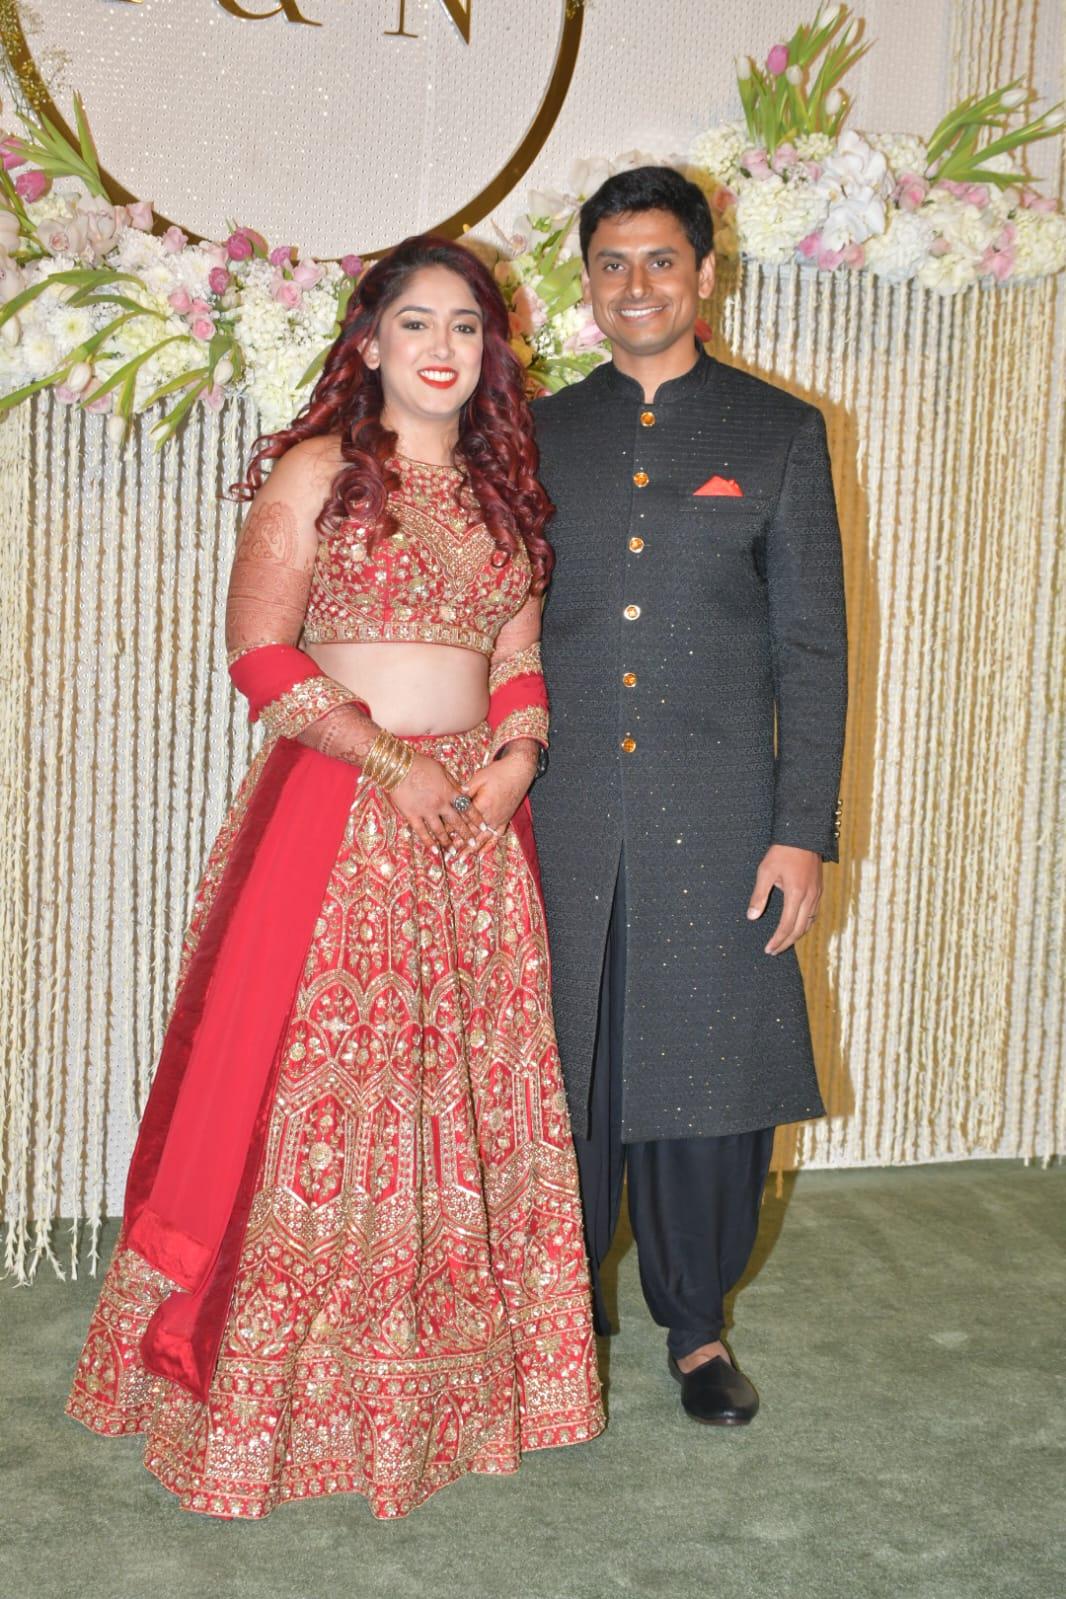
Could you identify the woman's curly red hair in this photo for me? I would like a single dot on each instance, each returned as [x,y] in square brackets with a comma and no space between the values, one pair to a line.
[495,426]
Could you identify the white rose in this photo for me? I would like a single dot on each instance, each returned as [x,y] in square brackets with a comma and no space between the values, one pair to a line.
[12,278]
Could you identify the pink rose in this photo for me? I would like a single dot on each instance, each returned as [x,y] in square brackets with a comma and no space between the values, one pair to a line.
[999,257]
[32,185]
[141,215]
[219,280]
[784,157]
[282,256]
[529,311]
[287,293]
[1032,201]
[809,246]
[11,148]
[911,191]
[239,247]
[202,327]
[854,255]
[307,274]
[174,240]
[777,60]
[723,199]
[940,246]
[216,254]
[180,301]
[202,306]
[755,163]
[587,337]
[352,265]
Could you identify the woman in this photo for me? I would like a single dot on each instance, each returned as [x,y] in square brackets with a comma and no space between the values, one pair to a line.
[351,1256]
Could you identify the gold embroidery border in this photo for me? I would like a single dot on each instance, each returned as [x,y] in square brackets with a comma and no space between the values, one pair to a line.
[302,704]
[524,663]
[530,722]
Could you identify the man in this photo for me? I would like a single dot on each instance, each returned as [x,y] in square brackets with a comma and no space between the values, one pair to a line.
[697,600]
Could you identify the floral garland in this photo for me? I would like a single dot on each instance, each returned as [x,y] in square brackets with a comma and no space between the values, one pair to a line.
[116,318]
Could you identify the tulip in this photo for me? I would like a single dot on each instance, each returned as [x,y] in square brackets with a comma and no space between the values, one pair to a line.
[833,101]
[777,60]
[11,150]
[1011,99]
[213,398]
[352,265]
[794,75]
[64,393]
[78,376]
[743,65]
[826,17]
[32,185]
[116,429]
[99,406]
[11,330]
[223,370]
[174,240]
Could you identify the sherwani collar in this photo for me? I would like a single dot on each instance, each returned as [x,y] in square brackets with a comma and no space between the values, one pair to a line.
[619,385]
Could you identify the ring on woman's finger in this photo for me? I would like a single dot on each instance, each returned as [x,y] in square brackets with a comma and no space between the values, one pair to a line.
[462,803]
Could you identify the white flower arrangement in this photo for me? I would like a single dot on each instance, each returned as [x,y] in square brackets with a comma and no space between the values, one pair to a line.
[790,184]
[118,318]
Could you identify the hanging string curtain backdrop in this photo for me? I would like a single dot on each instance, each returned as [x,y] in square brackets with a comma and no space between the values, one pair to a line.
[935,970]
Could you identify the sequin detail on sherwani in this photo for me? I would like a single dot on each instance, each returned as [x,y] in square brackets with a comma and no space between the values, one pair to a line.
[412,1301]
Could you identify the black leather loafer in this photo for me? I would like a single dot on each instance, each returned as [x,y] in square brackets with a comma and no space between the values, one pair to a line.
[716,1393]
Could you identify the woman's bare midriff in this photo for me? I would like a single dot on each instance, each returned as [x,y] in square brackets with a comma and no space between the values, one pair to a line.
[412,688]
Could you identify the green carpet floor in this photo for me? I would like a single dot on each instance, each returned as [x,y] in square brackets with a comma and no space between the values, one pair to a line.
[905,1329]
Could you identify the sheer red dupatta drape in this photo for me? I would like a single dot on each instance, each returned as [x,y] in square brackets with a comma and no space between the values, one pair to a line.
[200,1143]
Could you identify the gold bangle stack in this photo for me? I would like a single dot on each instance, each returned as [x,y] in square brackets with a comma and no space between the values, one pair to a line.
[388,760]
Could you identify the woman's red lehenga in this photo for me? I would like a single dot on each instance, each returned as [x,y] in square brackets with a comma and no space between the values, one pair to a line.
[398,1293]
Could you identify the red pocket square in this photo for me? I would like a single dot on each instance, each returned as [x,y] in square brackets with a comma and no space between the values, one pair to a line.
[720,485]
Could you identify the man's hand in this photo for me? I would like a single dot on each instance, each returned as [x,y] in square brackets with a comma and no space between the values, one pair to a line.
[798,874]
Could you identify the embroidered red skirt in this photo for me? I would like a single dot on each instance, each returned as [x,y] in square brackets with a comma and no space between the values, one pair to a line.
[408,1298]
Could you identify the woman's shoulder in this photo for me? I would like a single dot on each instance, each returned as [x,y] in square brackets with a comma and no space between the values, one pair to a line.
[309,467]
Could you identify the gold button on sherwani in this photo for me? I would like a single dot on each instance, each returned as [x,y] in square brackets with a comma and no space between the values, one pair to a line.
[640,479]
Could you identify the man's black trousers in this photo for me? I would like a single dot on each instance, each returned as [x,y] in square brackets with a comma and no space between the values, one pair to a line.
[693,1202]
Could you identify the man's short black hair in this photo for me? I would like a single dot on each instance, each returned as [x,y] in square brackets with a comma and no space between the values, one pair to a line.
[650,189]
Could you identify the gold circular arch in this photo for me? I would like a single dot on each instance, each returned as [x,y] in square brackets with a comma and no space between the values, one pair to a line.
[521,159]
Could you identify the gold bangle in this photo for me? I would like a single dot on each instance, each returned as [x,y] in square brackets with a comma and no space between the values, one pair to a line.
[388,760]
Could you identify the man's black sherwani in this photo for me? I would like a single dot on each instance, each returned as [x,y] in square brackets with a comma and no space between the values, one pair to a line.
[676,623]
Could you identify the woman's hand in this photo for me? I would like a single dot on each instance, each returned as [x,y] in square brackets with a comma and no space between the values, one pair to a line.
[498,789]
[424,800]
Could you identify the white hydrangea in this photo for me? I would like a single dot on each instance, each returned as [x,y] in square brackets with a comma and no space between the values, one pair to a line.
[967,228]
[718,151]
[1040,243]
[903,151]
[773,216]
[897,253]
[813,146]
[947,274]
